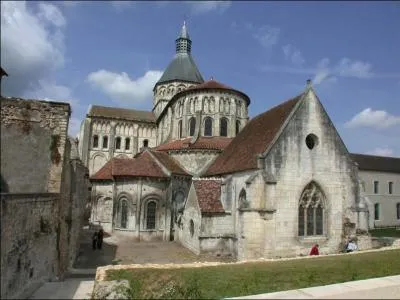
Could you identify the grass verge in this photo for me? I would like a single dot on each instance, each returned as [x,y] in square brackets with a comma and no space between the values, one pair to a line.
[255,278]
[385,232]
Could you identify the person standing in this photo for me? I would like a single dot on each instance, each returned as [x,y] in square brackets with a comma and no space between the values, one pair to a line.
[100,236]
[94,240]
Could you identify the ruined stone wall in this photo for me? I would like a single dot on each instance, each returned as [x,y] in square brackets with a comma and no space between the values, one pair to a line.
[37,181]
[79,199]
[28,241]
[33,137]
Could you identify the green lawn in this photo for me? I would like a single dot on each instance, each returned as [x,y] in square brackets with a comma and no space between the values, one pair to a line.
[256,278]
[385,232]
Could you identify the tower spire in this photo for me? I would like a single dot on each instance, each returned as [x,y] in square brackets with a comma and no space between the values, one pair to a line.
[183,42]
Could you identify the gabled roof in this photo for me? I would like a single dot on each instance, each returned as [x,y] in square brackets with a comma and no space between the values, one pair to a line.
[209,195]
[122,113]
[167,161]
[256,136]
[182,68]
[202,143]
[377,163]
[143,165]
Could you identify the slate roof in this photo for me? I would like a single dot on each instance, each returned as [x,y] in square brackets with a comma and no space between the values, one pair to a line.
[256,136]
[143,165]
[182,68]
[122,113]
[209,195]
[377,163]
[202,143]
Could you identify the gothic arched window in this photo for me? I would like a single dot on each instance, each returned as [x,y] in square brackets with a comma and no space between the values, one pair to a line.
[127,143]
[118,143]
[192,126]
[223,127]
[180,129]
[151,215]
[208,126]
[95,141]
[311,216]
[237,127]
[123,213]
[243,203]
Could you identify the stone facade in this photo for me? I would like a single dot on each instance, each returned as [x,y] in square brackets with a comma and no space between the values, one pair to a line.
[43,191]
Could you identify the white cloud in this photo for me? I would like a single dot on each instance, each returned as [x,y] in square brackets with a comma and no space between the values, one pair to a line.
[120,87]
[293,55]
[200,7]
[267,35]
[381,152]
[74,127]
[32,44]
[378,119]
[358,69]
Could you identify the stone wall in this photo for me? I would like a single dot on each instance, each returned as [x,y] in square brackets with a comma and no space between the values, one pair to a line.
[194,162]
[107,198]
[43,194]
[29,237]
[33,137]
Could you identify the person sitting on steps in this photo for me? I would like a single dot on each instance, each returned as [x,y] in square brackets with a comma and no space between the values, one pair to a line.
[314,250]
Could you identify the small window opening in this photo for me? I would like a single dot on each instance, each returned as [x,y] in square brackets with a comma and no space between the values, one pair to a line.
[118,143]
[127,143]
[311,141]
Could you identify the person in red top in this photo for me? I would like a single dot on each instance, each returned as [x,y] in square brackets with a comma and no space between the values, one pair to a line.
[314,250]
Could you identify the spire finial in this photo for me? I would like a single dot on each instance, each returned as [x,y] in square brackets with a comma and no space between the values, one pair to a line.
[309,84]
[183,42]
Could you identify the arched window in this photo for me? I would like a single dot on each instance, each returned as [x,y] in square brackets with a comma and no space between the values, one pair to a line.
[95,141]
[237,127]
[180,129]
[105,141]
[151,215]
[118,143]
[127,143]
[192,126]
[123,213]
[377,212]
[243,203]
[145,143]
[208,126]
[311,211]
[223,127]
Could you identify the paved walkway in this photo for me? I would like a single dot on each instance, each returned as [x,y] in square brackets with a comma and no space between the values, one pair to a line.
[377,288]
[68,289]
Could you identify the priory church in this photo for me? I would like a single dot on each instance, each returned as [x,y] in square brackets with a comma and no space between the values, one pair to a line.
[198,171]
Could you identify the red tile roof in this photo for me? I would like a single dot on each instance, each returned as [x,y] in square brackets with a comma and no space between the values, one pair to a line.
[105,173]
[171,164]
[215,85]
[254,139]
[206,143]
[209,195]
[143,165]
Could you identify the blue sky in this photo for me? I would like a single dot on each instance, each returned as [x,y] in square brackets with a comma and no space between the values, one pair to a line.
[112,53]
